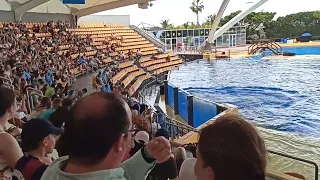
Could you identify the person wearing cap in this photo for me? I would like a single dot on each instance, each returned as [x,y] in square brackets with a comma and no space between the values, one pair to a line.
[38,140]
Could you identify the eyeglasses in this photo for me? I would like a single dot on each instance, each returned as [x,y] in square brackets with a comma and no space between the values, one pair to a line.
[132,131]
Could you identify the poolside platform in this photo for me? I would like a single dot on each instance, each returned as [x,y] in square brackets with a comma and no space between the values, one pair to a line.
[238,52]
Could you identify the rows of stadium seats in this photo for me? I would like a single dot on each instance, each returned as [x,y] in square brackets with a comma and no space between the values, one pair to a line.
[131,41]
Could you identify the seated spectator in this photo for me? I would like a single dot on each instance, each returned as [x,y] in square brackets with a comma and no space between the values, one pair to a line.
[187,169]
[162,132]
[37,142]
[56,103]
[180,155]
[95,153]
[10,151]
[168,58]
[230,148]
[139,54]
[84,91]
[50,91]
[45,104]
[67,102]
[59,116]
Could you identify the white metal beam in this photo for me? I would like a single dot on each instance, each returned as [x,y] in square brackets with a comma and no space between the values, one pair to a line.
[215,34]
[218,18]
[107,6]
[215,25]
[18,12]
[236,19]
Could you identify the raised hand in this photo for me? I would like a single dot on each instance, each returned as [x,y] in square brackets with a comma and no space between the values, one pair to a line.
[159,148]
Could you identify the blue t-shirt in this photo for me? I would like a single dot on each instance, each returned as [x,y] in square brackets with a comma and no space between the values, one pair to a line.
[26,75]
[104,77]
[81,60]
[48,77]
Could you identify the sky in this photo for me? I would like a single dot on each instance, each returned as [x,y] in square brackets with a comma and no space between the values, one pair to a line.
[178,11]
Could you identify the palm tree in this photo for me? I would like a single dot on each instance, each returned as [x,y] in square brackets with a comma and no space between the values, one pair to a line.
[165,23]
[185,25]
[197,7]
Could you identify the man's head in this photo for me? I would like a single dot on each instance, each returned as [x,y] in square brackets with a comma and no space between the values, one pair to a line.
[98,130]
[7,104]
[57,102]
[38,134]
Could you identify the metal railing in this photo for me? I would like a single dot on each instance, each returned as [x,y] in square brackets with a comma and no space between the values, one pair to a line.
[316,168]
[176,128]
[30,92]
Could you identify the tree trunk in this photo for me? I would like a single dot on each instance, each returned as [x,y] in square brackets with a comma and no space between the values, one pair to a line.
[198,19]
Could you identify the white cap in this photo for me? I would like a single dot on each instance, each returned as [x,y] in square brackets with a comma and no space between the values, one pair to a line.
[142,136]
[187,169]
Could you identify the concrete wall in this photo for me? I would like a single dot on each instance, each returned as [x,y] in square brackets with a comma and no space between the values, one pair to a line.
[8,16]
[113,19]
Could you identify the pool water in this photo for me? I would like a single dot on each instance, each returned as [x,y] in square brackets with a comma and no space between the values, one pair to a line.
[282,97]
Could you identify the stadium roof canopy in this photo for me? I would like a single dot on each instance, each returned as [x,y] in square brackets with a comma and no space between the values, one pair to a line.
[56,6]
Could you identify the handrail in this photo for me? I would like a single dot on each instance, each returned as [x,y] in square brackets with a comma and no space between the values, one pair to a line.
[29,98]
[299,159]
[173,124]
[155,41]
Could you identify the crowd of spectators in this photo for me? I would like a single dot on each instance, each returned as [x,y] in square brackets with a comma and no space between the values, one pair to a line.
[102,142]
[63,134]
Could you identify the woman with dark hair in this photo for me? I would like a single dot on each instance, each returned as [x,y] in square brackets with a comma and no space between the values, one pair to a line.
[230,148]
[58,117]
[45,104]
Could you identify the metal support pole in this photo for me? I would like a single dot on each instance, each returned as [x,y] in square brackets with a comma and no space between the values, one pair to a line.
[166,92]
[176,100]
[190,110]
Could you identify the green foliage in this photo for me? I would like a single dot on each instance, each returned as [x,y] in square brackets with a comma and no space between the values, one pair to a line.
[264,25]
[197,7]
[316,14]
[166,25]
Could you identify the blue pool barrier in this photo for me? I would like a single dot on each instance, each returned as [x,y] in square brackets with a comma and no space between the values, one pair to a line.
[170,96]
[183,104]
[203,111]
[193,110]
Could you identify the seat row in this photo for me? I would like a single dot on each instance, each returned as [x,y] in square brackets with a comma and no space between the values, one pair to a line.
[158,66]
[142,60]
[135,86]
[132,76]
[125,65]
[123,73]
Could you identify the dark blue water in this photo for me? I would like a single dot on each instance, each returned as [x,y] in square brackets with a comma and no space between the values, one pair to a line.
[280,94]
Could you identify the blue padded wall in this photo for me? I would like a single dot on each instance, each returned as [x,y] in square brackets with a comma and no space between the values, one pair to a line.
[203,111]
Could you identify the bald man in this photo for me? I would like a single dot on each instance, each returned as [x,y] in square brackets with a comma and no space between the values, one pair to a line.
[97,136]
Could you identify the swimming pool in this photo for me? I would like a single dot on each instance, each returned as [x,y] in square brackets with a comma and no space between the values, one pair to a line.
[280,95]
